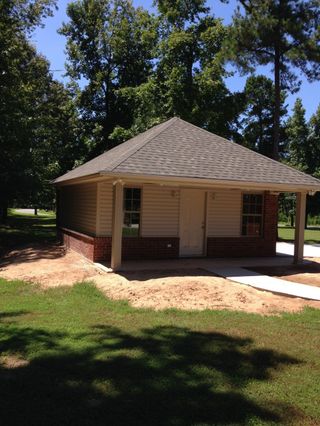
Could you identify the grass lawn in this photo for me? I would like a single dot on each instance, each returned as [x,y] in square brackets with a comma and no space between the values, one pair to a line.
[286,233]
[23,228]
[69,356]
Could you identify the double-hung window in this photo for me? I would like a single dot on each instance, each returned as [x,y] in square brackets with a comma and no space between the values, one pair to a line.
[252,214]
[131,208]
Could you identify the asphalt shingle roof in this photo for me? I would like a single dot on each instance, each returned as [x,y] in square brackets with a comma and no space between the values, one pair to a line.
[179,149]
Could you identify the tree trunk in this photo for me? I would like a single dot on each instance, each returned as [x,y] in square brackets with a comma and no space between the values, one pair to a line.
[260,147]
[292,220]
[277,104]
[307,212]
[189,93]
[4,212]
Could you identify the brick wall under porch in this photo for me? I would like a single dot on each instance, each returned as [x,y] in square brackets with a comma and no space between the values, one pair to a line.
[133,248]
[240,247]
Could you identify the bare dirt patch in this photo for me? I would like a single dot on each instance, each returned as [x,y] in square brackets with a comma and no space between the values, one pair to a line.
[49,265]
[307,273]
[194,290]
[191,289]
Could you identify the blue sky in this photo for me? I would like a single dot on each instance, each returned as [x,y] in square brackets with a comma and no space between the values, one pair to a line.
[52,45]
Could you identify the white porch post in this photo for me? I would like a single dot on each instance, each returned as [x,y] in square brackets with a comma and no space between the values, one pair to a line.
[299,227]
[117,220]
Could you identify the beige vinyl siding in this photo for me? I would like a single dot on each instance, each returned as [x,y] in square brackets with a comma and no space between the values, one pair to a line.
[104,208]
[224,213]
[160,212]
[78,207]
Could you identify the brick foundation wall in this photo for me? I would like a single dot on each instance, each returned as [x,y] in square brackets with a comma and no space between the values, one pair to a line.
[81,243]
[99,248]
[102,249]
[250,246]
[138,248]
[150,248]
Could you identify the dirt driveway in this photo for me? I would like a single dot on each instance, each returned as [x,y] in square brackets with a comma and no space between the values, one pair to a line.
[51,266]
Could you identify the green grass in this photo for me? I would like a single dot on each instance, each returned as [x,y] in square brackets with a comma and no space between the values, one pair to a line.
[92,361]
[24,228]
[70,356]
[286,233]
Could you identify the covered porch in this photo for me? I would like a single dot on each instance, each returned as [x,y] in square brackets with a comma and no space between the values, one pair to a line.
[117,264]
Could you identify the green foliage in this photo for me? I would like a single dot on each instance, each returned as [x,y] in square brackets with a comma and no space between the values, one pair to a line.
[314,221]
[266,30]
[37,119]
[178,12]
[109,47]
[281,33]
[138,70]
[189,73]
[258,117]
[303,141]
[297,134]
[129,70]
[23,15]
[313,144]
[287,207]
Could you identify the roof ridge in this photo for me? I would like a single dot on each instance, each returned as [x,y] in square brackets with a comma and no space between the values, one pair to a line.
[271,160]
[165,124]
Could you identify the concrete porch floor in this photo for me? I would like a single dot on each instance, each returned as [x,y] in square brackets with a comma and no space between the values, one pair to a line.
[199,262]
[284,257]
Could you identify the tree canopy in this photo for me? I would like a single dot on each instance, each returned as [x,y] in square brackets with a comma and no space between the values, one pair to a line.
[109,47]
[258,116]
[280,33]
[129,69]
[29,104]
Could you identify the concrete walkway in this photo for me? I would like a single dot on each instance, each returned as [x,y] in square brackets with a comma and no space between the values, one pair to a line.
[24,211]
[309,250]
[264,282]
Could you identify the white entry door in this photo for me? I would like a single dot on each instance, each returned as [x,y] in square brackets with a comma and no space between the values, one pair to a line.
[192,222]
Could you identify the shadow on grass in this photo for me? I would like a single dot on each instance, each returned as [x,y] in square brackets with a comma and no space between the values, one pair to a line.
[20,230]
[11,314]
[160,376]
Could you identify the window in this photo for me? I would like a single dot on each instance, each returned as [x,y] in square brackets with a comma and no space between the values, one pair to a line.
[252,205]
[131,207]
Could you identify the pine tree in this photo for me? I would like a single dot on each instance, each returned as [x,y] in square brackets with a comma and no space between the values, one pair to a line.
[258,116]
[297,137]
[281,33]
[313,158]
